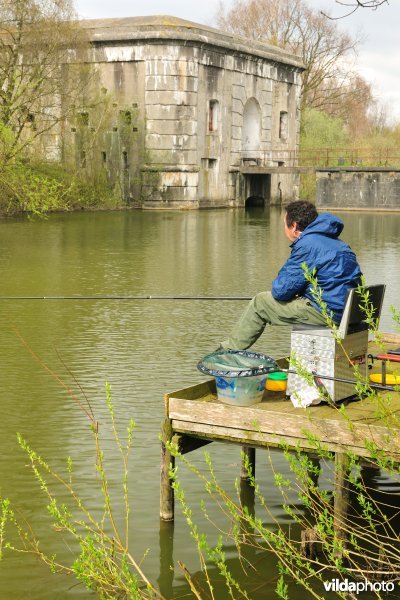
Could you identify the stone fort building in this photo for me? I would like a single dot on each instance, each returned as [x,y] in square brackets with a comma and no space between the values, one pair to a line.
[187,116]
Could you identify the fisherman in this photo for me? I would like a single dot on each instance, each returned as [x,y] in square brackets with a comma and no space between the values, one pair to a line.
[315,242]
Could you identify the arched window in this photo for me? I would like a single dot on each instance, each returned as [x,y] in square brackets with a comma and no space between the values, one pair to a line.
[251,131]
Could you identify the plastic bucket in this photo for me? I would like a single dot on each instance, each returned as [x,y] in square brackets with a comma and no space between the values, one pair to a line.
[240,375]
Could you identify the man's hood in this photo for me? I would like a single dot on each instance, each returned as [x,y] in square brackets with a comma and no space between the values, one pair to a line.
[325,224]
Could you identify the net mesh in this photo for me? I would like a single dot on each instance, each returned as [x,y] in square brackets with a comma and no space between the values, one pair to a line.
[237,363]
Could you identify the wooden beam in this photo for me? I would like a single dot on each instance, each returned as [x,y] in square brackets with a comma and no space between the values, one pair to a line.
[188,443]
[341,500]
[248,452]
[257,439]
[167,461]
[390,338]
[283,421]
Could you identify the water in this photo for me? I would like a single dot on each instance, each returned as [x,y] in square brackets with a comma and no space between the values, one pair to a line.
[53,350]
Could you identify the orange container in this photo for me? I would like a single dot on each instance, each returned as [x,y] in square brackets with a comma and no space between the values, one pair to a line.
[277,382]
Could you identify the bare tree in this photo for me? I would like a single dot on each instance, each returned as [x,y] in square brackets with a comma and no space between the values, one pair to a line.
[353,107]
[359,4]
[37,39]
[354,5]
[327,52]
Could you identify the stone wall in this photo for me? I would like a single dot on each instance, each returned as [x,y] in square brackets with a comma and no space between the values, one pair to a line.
[358,188]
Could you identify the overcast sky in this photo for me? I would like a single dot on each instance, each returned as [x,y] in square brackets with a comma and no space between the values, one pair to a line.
[378,60]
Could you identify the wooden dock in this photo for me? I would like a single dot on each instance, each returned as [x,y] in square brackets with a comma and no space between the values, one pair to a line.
[194,417]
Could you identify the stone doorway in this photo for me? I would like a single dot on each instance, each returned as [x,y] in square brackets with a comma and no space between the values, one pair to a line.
[257,190]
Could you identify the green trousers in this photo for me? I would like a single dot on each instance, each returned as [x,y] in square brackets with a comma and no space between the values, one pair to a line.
[265,310]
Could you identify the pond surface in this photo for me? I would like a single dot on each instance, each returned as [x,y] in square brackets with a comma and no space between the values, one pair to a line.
[54,351]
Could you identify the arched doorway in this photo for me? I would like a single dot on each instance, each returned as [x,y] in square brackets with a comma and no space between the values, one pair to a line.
[251,130]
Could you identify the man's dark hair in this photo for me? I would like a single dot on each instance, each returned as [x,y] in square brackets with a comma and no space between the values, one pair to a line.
[301,212]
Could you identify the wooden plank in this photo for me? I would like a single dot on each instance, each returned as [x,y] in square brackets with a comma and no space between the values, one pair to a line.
[244,437]
[283,416]
[299,424]
[227,434]
[204,391]
[390,338]
[199,390]
[365,410]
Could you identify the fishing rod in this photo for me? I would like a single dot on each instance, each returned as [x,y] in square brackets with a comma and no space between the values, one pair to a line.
[377,386]
[125,297]
[156,297]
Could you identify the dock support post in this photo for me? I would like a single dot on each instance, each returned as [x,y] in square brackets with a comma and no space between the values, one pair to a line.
[310,541]
[250,453]
[342,493]
[166,577]
[167,461]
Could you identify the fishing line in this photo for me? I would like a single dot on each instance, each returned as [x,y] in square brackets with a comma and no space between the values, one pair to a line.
[122,297]
[151,297]
[375,386]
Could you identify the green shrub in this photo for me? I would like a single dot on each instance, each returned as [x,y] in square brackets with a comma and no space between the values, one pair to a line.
[42,188]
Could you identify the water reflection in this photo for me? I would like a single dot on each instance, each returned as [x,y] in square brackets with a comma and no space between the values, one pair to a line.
[142,348]
[166,576]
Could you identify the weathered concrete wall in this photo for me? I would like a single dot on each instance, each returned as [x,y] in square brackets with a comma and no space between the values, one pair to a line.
[201,104]
[358,188]
[105,134]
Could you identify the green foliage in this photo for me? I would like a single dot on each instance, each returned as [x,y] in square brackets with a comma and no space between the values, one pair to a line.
[320,130]
[321,138]
[5,516]
[104,563]
[214,554]
[37,39]
[396,317]
[327,141]
[41,188]
[7,139]
[363,545]
[282,588]
[25,190]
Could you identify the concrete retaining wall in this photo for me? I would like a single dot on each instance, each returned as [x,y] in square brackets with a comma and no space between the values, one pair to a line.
[358,188]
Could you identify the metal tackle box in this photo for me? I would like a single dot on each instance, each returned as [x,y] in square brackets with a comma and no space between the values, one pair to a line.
[317,349]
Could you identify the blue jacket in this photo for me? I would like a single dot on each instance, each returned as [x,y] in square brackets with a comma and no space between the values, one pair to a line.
[337,268]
